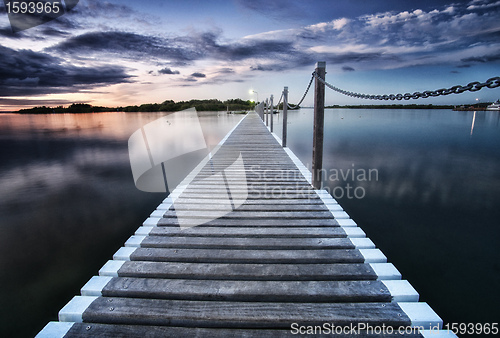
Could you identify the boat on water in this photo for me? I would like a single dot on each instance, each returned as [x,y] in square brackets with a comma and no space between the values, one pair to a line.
[494,106]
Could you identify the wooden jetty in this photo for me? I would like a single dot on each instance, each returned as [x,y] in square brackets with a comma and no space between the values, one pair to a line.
[285,260]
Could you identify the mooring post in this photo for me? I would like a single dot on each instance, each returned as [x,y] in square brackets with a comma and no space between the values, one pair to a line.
[272,113]
[319,121]
[267,112]
[285,113]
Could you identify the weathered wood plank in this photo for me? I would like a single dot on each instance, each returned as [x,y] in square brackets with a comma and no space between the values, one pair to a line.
[240,314]
[246,243]
[247,256]
[250,232]
[259,202]
[80,330]
[255,222]
[255,271]
[286,215]
[248,291]
[251,207]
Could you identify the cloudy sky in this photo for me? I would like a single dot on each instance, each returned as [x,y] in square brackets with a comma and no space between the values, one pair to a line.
[124,52]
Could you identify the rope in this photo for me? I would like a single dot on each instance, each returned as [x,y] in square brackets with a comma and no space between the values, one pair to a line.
[494,82]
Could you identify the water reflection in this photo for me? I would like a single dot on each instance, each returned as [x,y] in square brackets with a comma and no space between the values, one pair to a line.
[434,209]
[68,203]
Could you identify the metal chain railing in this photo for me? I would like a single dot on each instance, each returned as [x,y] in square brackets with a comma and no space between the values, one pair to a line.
[494,82]
[303,96]
[279,101]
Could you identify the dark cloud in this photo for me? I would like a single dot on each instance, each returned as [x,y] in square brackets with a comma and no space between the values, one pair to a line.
[199,75]
[25,73]
[168,71]
[226,71]
[482,59]
[129,45]
[249,48]
[348,69]
[32,103]
[99,8]
[182,50]
[51,31]
[7,33]
[263,68]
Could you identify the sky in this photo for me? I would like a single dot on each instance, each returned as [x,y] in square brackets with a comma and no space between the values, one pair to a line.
[118,53]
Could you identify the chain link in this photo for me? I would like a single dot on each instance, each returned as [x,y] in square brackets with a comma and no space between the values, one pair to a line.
[303,96]
[279,102]
[494,82]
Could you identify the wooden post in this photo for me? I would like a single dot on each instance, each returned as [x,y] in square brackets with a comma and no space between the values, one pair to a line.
[267,112]
[285,113]
[272,113]
[319,121]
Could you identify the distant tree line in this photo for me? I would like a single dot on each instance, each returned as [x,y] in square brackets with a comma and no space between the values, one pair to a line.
[169,105]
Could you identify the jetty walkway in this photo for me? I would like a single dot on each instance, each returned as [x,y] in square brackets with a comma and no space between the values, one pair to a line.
[246,247]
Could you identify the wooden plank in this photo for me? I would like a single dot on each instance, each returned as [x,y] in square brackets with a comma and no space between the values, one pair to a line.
[247,256]
[249,271]
[251,207]
[287,215]
[81,330]
[260,202]
[250,232]
[256,222]
[284,195]
[240,314]
[246,243]
[248,291]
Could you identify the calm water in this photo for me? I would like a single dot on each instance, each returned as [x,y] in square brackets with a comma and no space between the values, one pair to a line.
[68,202]
[435,208]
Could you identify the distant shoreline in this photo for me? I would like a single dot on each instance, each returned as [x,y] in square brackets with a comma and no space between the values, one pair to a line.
[235,105]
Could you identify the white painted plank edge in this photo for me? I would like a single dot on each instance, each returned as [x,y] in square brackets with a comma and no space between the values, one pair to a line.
[55,330]
[362,243]
[95,285]
[134,241]
[386,271]
[298,163]
[151,221]
[123,254]
[73,311]
[373,256]
[339,214]
[111,268]
[334,207]
[401,290]
[421,315]
[345,222]
[354,232]
[143,231]
[158,212]
[163,206]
